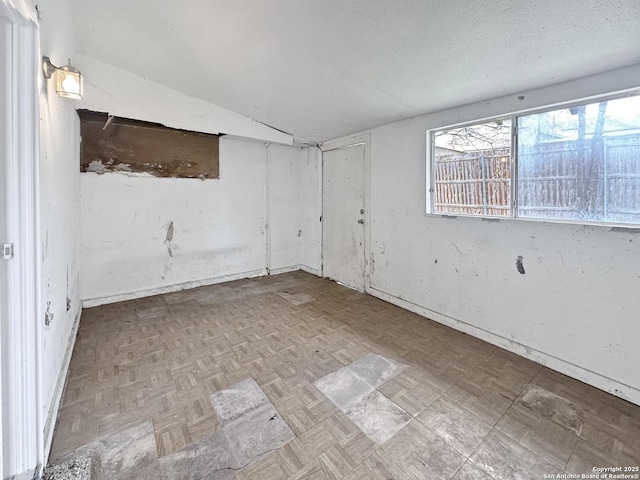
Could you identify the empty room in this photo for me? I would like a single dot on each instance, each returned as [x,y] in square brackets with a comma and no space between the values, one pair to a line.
[315,239]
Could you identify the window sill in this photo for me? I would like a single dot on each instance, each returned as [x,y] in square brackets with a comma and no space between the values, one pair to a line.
[613,227]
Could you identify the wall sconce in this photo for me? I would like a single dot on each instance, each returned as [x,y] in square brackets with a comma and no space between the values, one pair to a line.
[68,79]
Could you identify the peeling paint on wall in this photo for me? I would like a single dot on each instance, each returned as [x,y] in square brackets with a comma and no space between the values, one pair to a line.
[48,315]
[68,299]
[625,230]
[169,239]
[96,166]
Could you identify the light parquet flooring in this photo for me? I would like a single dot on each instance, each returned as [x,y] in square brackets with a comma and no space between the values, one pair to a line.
[161,358]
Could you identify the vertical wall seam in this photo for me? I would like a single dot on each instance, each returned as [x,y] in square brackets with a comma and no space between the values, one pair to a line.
[320,172]
[267,218]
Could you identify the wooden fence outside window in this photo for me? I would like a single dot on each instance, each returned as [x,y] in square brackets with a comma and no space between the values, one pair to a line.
[554,181]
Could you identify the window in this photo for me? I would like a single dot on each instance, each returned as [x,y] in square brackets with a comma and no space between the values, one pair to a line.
[472,169]
[578,163]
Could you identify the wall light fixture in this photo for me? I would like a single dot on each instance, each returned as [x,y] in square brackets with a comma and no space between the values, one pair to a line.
[68,79]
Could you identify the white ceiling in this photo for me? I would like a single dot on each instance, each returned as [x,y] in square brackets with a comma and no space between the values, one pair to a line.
[322,69]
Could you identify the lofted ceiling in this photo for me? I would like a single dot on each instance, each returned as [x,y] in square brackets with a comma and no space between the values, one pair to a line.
[322,69]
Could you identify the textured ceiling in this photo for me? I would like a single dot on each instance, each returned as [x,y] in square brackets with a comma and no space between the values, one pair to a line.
[322,69]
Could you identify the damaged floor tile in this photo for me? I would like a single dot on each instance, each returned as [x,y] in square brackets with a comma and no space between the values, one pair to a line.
[460,428]
[344,388]
[128,450]
[250,427]
[375,369]
[553,407]
[211,456]
[119,455]
[297,298]
[353,390]
[378,417]
[500,457]
[256,433]
[422,454]
[237,400]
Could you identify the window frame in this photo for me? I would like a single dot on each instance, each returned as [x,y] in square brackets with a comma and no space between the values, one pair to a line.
[513,116]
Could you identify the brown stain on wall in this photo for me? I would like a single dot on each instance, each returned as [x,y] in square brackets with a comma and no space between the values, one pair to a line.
[113,144]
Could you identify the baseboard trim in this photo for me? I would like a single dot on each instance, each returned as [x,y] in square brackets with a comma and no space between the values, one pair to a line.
[58,393]
[281,270]
[95,302]
[295,268]
[28,475]
[614,387]
[313,271]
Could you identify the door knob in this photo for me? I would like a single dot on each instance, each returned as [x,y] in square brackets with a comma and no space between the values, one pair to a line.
[361,221]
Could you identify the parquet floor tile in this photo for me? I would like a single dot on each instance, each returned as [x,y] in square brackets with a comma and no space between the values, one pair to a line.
[160,359]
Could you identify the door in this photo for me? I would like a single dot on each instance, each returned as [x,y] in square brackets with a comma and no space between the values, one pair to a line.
[21,406]
[5,62]
[343,215]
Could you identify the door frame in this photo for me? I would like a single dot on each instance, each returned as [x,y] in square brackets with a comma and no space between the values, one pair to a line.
[346,142]
[20,333]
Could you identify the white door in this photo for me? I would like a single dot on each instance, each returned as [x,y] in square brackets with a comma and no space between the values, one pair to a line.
[22,448]
[343,215]
[5,39]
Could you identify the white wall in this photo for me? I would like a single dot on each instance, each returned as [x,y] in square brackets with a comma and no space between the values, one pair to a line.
[284,168]
[575,309]
[221,228]
[294,208]
[121,93]
[247,222]
[59,211]
[311,211]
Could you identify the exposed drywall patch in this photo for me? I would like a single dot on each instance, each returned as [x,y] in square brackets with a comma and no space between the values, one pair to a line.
[48,315]
[519,264]
[96,166]
[133,147]
[169,239]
